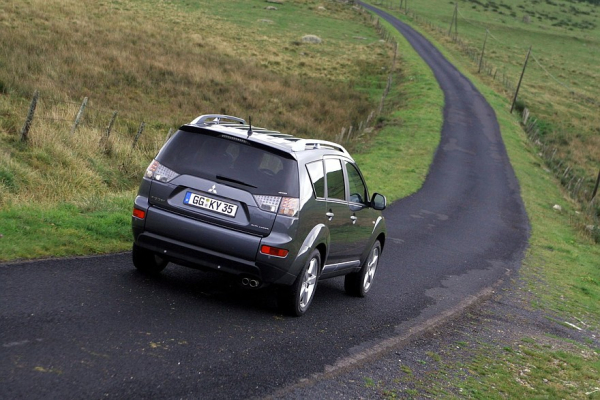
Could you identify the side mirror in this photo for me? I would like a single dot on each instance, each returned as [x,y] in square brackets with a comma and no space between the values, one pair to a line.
[378,201]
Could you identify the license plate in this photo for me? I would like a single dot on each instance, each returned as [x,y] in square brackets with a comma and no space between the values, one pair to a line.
[207,203]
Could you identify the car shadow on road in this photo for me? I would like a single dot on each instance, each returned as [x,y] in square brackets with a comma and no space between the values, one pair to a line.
[214,290]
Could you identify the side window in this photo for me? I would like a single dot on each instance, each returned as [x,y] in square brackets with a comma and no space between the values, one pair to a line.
[358,189]
[317,177]
[336,188]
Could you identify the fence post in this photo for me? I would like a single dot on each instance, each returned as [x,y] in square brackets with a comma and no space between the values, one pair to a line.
[453,19]
[104,139]
[29,119]
[342,133]
[512,107]
[596,187]
[137,136]
[483,51]
[110,125]
[169,135]
[79,115]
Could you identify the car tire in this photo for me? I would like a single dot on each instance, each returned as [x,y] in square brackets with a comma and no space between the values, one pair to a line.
[295,299]
[146,261]
[359,283]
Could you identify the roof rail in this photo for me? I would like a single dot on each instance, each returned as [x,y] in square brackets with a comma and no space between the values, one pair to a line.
[216,119]
[302,144]
[296,144]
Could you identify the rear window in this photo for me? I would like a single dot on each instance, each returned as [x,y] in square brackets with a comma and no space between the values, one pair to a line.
[231,161]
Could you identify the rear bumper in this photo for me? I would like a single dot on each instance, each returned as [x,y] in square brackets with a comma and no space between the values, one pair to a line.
[198,257]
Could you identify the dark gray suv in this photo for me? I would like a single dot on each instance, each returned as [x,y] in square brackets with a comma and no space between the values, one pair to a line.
[265,207]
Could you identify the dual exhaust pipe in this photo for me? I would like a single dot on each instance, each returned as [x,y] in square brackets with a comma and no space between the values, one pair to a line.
[253,283]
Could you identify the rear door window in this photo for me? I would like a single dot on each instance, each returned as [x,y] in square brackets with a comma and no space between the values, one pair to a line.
[336,188]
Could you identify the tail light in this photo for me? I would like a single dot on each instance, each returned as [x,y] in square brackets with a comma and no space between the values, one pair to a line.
[159,172]
[288,206]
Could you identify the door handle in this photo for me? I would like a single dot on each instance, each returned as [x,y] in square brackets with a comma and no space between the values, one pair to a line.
[353,218]
[330,215]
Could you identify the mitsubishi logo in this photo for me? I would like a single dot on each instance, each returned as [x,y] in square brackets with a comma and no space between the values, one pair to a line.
[213,189]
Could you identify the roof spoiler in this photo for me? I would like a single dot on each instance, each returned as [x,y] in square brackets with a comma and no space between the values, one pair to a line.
[216,119]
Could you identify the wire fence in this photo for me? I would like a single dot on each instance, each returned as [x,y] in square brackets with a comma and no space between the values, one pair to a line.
[584,189]
[46,112]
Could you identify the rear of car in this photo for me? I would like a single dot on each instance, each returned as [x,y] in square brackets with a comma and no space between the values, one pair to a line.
[211,198]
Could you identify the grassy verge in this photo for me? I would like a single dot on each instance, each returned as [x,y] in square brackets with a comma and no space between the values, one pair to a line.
[97,225]
[560,275]
[410,130]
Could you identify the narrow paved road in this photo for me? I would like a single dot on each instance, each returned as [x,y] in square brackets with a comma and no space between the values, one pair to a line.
[95,328]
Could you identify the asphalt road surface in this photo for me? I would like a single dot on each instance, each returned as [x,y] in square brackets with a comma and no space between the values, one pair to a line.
[95,328]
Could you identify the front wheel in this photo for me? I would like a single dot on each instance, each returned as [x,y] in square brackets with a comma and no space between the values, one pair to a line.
[359,283]
[296,299]
[146,261]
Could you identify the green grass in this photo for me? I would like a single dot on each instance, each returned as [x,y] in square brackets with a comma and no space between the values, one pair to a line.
[410,130]
[89,226]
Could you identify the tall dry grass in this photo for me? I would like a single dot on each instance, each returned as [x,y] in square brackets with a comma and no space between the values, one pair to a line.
[132,59]
[155,62]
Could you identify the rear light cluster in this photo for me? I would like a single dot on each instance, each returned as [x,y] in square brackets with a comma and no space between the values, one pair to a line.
[273,251]
[159,172]
[287,206]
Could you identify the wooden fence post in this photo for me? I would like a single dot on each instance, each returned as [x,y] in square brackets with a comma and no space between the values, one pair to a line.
[79,115]
[512,107]
[596,187]
[483,51]
[29,119]
[110,125]
[104,138]
[169,135]
[137,136]
[453,18]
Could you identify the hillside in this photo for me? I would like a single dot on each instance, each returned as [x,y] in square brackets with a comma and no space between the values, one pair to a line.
[134,71]
[554,44]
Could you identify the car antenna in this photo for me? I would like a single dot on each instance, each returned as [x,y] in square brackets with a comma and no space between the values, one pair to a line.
[249,126]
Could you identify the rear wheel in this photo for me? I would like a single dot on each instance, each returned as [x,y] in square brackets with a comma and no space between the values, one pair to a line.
[296,299]
[359,283]
[146,261]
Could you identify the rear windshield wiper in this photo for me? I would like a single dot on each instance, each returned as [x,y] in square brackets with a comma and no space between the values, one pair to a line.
[224,178]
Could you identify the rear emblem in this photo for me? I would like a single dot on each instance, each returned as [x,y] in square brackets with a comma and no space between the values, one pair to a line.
[213,189]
